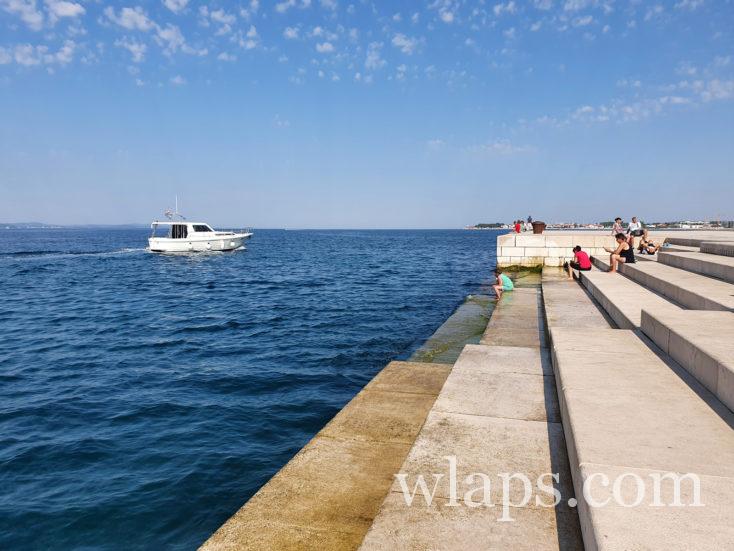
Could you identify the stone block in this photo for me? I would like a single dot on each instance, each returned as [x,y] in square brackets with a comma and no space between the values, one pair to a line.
[536,251]
[437,526]
[530,240]
[723,249]
[553,261]
[559,251]
[604,241]
[506,240]
[560,241]
[511,251]
[506,395]
[504,261]
[725,385]
[584,241]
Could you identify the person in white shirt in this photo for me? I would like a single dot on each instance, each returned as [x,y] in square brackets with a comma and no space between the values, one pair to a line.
[635,229]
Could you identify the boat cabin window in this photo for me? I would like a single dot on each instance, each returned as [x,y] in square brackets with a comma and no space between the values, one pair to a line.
[179,231]
[202,227]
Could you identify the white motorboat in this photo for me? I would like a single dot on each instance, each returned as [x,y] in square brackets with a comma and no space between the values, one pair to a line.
[183,236]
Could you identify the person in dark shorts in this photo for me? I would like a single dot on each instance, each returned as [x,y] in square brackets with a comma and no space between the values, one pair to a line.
[622,254]
[647,247]
[580,262]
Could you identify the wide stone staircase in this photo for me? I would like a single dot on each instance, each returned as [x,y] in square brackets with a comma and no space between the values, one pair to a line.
[621,384]
[651,399]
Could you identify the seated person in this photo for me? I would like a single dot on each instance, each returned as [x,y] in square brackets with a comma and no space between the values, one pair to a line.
[624,253]
[635,229]
[503,284]
[580,262]
[647,246]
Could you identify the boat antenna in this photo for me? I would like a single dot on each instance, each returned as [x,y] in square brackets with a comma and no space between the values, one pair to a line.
[171,214]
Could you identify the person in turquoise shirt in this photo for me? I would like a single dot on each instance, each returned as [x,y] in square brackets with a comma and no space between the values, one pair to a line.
[504,283]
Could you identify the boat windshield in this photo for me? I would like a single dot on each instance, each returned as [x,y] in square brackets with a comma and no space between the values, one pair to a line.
[202,228]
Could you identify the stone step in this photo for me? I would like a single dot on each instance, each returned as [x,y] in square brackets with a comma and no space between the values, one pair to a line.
[622,298]
[497,413]
[678,249]
[713,247]
[569,304]
[328,494]
[687,241]
[517,320]
[701,342]
[629,416]
[688,289]
[720,267]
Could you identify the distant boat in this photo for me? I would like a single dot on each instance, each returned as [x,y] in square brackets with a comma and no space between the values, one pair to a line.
[184,236]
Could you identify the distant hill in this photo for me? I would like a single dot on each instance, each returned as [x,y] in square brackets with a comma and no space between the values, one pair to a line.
[41,225]
[26,225]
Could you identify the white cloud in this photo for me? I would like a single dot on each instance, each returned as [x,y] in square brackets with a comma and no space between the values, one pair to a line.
[583,21]
[176,6]
[29,55]
[690,5]
[137,49]
[224,56]
[374,60]
[575,5]
[178,80]
[718,90]
[26,10]
[248,40]
[653,12]
[221,16]
[406,44]
[61,8]
[501,147]
[536,26]
[170,39]
[324,47]
[509,33]
[290,33]
[329,4]
[279,122]
[130,18]
[544,5]
[499,9]
[284,6]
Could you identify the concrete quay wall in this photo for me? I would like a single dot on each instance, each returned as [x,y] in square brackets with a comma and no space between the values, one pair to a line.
[553,248]
[548,249]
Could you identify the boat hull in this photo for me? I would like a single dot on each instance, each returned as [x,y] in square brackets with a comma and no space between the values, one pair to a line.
[228,242]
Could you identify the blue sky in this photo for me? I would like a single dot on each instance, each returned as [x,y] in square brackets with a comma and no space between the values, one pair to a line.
[329,113]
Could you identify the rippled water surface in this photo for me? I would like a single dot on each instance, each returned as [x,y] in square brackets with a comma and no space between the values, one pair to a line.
[144,398]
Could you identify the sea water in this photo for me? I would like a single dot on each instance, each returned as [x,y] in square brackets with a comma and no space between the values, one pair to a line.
[145,397]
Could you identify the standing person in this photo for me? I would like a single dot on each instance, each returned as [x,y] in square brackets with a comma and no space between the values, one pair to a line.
[635,229]
[623,253]
[617,226]
[517,226]
[580,262]
[503,284]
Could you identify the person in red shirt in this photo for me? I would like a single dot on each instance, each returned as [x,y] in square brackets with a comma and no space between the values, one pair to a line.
[580,262]
[518,228]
